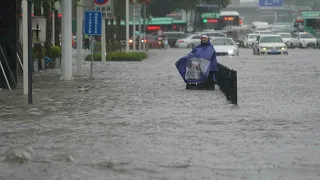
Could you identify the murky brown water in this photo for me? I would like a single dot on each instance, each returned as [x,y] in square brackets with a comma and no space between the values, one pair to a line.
[138,122]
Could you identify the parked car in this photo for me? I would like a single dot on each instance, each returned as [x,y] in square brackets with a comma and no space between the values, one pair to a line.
[269,44]
[305,40]
[225,46]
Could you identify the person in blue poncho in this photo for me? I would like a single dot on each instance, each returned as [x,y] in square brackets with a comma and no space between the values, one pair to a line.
[211,79]
[198,67]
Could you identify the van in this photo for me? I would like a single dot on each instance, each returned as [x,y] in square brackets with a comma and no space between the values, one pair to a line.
[260,25]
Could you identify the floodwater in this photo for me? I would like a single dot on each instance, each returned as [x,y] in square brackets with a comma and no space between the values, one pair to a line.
[137,122]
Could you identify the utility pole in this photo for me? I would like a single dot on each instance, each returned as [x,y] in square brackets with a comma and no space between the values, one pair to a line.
[25,45]
[127,26]
[144,25]
[134,27]
[79,36]
[67,40]
[30,51]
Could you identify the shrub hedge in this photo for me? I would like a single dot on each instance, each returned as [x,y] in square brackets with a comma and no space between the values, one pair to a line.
[119,56]
[110,46]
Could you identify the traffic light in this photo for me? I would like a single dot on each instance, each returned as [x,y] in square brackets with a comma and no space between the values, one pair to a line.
[205,21]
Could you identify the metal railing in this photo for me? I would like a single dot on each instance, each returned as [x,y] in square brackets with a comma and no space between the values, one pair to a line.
[227,81]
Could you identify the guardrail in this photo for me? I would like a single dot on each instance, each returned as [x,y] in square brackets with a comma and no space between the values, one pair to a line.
[227,81]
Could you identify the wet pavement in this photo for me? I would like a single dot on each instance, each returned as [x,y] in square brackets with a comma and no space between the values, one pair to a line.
[138,122]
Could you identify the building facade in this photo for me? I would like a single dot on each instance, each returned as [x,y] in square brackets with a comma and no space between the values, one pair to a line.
[9,34]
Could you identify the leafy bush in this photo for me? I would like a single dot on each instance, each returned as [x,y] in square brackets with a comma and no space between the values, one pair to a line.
[119,56]
[56,51]
[36,55]
[97,47]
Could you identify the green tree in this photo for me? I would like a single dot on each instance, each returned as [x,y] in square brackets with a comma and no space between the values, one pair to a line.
[160,8]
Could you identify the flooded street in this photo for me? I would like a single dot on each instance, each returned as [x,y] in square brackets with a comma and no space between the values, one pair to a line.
[137,122]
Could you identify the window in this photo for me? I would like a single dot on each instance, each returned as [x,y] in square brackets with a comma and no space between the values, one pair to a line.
[196,37]
[271,39]
[267,32]
[306,36]
[150,38]
[221,35]
[311,23]
[253,36]
[285,35]
[318,25]
[300,25]
[222,42]
[228,42]
[216,34]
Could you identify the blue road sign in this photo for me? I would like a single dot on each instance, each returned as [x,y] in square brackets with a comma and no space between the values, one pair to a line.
[270,3]
[92,23]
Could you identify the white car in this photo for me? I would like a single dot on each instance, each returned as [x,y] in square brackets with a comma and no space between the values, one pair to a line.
[264,32]
[190,41]
[305,40]
[289,40]
[225,46]
[249,40]
[269,44]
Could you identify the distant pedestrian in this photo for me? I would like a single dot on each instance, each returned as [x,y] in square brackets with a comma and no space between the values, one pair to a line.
[86,40]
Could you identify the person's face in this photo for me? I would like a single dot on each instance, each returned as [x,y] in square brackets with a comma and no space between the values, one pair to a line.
[204,40]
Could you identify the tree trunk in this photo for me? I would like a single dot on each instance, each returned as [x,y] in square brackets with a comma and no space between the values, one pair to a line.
[48,44]
[187,20]
[57,26]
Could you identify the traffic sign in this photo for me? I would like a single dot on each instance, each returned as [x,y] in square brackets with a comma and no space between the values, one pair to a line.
[270,3]
[106,9]
[93,23]
[101,2]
